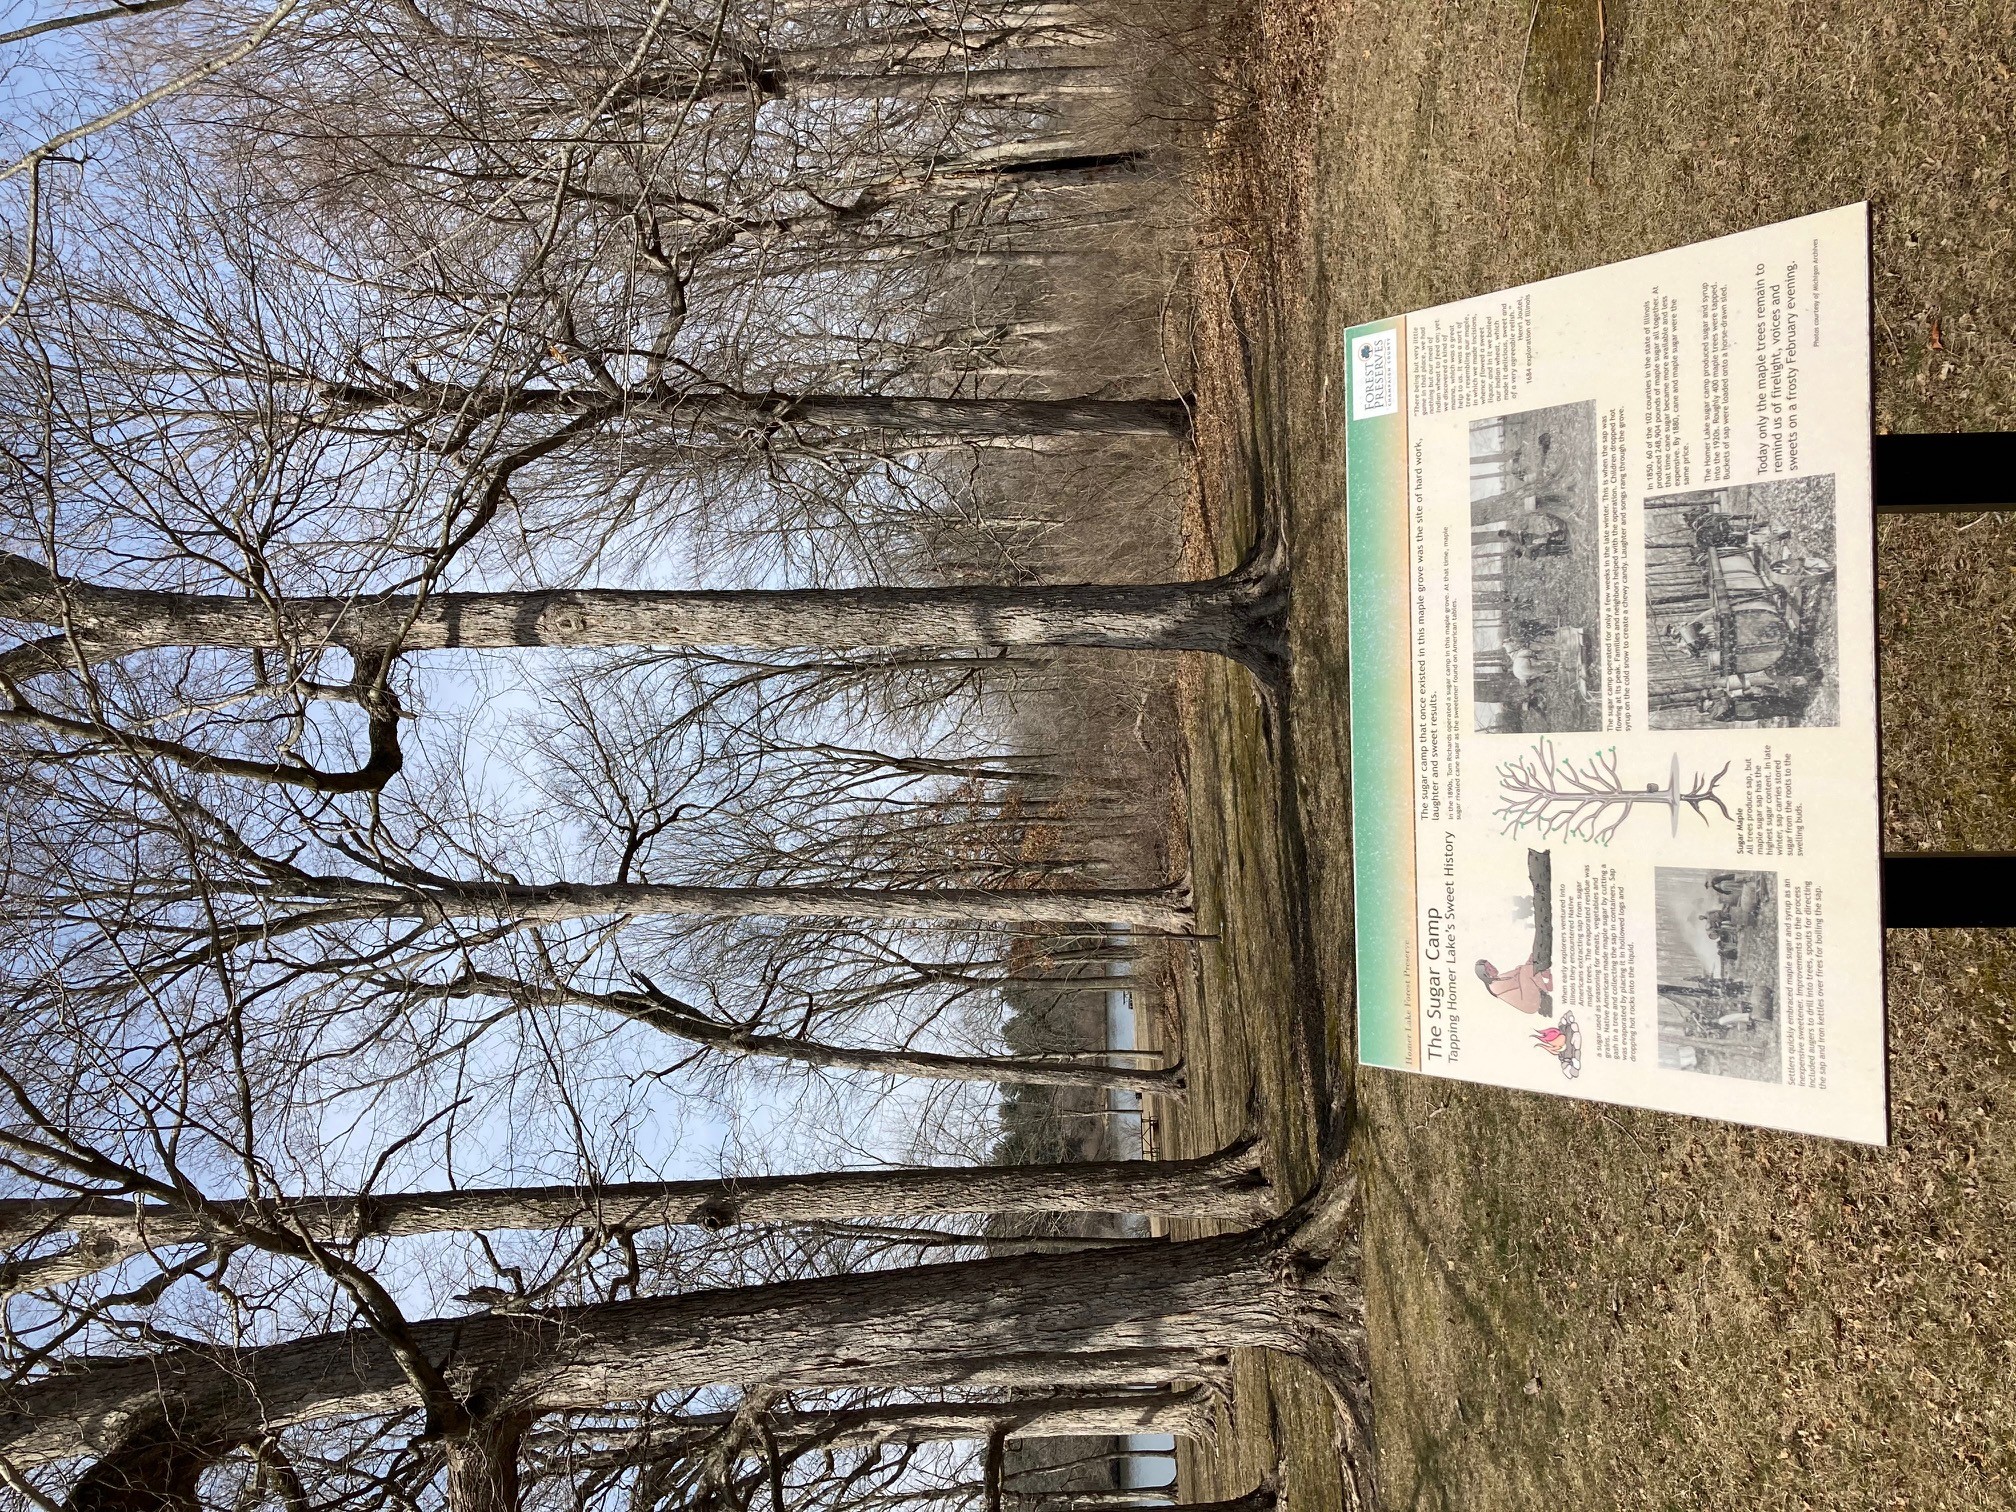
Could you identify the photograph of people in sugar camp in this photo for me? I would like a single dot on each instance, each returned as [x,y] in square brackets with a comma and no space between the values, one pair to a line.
[1740,607]
[1535,619]
[1718,972]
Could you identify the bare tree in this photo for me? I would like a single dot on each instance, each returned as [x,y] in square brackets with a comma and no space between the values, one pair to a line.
[1548,796]
[108,1229]
[974,1322]
[1060,1414]
[1236,615]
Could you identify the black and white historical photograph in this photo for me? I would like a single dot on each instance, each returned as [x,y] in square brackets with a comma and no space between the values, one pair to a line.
[1718,972]
[1535,609]
[1740,607]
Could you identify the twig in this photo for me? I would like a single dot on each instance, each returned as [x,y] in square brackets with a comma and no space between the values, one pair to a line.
[992,1468]
[133,107]
[1602,49]
[63,23]
[1519,80]
[34,242]
[24,1488]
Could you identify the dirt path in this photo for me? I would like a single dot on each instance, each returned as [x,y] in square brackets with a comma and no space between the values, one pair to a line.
[1578,1307]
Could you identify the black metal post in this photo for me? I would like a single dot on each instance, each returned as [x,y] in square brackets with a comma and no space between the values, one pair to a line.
[1946,472]
[1934,890]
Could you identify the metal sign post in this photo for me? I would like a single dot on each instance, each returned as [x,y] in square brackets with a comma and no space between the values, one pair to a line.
[1961,472]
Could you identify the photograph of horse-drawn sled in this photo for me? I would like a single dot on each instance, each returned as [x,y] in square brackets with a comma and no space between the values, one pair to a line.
[1740,607]
[1536,614]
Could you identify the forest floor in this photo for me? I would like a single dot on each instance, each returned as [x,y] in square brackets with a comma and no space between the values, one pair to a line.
[1575,1306]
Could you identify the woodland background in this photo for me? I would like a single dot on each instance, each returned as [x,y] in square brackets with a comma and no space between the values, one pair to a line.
[535,704]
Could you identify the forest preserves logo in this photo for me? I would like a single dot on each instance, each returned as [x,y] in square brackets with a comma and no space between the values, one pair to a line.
[1375,375]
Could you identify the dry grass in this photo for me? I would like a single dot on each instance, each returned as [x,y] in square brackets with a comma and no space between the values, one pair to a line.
[1574,1306]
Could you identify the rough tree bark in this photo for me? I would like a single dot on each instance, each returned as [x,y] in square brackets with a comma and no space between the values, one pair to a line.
[155,1469]
[1261,1498]
[339,900]
[1146,908]
[1236,615]
[984,418]
[1228,1186]
[910,414]
[806,74]
[1273,1287]
[1185,1412]
[483,1469]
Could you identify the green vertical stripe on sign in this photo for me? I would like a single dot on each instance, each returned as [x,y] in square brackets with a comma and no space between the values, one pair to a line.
[1382,695]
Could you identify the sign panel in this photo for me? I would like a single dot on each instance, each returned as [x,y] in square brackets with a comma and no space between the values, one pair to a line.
[1613,684]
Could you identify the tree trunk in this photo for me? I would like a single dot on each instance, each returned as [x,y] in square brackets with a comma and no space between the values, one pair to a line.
[155,1469]
[1235,615]
[1047,82]
[1227,1186]
[1052,1370]
[483,1465]
[1018,160]
[989,417]
[1155,909]
[830,74]
[1118,1499]
[668,1015]
[982,170]
[934,1325]
[918,414]
[1184,1412]
[1261,1498]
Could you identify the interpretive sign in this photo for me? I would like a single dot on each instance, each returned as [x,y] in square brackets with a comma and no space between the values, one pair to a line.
[1613,684]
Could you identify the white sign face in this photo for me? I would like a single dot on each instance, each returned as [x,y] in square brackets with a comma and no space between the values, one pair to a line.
[1613,685]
